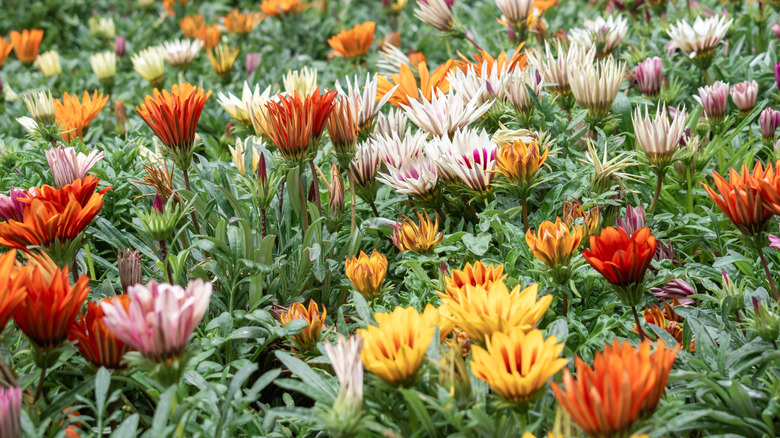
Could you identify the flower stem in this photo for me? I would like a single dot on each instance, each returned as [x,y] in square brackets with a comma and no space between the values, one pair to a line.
[524,206]
[641,331]
[304,202]
[164,255]
[316,183]
[469,38]
[354,205]
[565,304]
[373,208]
[187,186]
[90,264]
[706,76]
[263,221]
[39,391]
[689,178]
[659,183]
[768,274]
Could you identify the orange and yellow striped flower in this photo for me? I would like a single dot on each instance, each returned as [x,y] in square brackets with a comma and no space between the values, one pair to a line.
[430,84]
[474,275]
[12,288]
[26,44]
[74,116]
[574,214]
[408,236]
[277,8]
[222,59]
[554,243]
[94,340]
[238,22]
[354,42]
[308,338]
[5,49]
[367,273]
[519,162]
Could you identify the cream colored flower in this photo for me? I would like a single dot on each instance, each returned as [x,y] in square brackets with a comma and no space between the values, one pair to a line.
[49,63]
[436,13]
[555,70]
[595,86]
[445,113]
[180,53]
[700,39]
[104,66]
[102,27]
[303,81]
[150,64]
[600,34]
[239,152]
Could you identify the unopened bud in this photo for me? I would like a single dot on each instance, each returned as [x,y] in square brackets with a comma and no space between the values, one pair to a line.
[129,264]
[121,117]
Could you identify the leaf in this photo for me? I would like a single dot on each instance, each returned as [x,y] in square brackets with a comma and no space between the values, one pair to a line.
[361,306]
[128,428]
[102,383]
[163,412]
[306,374]
[419,416]
[479,244]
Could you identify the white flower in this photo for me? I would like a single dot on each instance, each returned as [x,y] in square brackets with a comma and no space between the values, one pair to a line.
[436,13]
[484,85]
[40,105]
[394,149]
[239,152]
[394,121]
[516,12]
[470,157]
[251,102]
[67,166]
[556,70]
[49,63]
[391,58]
[150,64]
[516,89]
[364,104]
[701,38]
[657,137]
[102,27]
[446,113]
[303,81]
[595,86]
[180,53]
[347,365]
[600,34]
[104,65]
[415,177]
[29,125]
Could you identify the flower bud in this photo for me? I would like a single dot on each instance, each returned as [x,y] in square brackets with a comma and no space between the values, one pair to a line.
[129,264]
[649,76]
[714,100]
[335,200]
[161,222]
[677,288]
[454,376]
[120,46]
[634,219]
[744,96]
[769,120]
[121,117]
[252,62]
[765,322]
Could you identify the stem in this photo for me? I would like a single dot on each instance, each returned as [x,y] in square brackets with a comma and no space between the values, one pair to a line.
[304,202]
[565,304]
[189,189]
[658,184]
[524,204]
[739,321]
[706,76]
[132,409]
[642,334]
[768,274]
[373,207]
[90,264]
[316,182]
[281,197]
[164,255]
[74,271]
[263,222]
[689,178]
[469,38]
[39,391]
[354,203]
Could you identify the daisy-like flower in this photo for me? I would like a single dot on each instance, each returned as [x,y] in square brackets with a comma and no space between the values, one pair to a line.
[394,149]
[342,129]
[355,42]
[517,93]
[744,96]
[40,105]
[446,113]
[345,360]
[769,120]
[363,170]
[238,154]
[309,337]
[257,109]
[11,207]
[129,265]
[516,12]
[609,171]
[303,81]
[714,101]
[252,62]
[470,157]
[744,198]
[104,66]
[366,103]
[180,53]
[649,76]
[49,63]
[12,288]
[600,34]
[595,86]
[94,340]
[5,49]
[430,84]
[209,35]
[222,59]
[554,243]
[484,84]
[699,41]
[190,25]
[367,273]
[555,70]
[416,176]
[26,44]
[277,8]
[102,27]
[519,161]
[67,165]
[391,58]
[240,109]
[409,236]
[436,13]
[74,116]
[150,64]
[657,137]
[11,412]
[394,121]
[240,23]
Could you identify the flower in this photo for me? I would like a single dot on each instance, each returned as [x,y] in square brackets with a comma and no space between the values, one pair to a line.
[104,66]
[624,383]
[395,148]
[518,12]
[482,311]
[557,70]
[519,162]
[150,64]
[595,86]
[600,34]
[180,53]
[26,44]
[676,289]
[622,260]
[445,113]
[475,275]
[252,62]
[67,166]
[102,27]
[94,340]
[190,25]
[236,22]
[129,265]
[740,199]
[394,349]
[173,117]
[769,120]
[394,121]
[482,82]
[309,337]
[251,102]
[295,125]
[342,128]
[408,236]
[52,304]
[744,96]
[161,221]
[74,116]
[277,8]
[5,49]
[574,213]
[49,63]
[608,171]
[713,100]
[12,287]
[634,219]
[363,169]
[517,364]
[303,81]
[208,35]
[656,137]
[239,152]
[160,317]
[367,273]
[431,84]
[436,13]
[10,207]
[120,46]
[417,176]
[516,91]
[40,105]
[470,157]
[554,243]
[365,104]
[666,319]
[10,412]
[344,358]
[699,41]
[649,76]
[354,42]
[222,59]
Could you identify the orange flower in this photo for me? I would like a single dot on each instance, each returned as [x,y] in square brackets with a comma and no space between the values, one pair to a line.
[354,42]
[516,62]
[295,125]
[309,337]
[209,35]
[5,49]
[573,213]
[173,116]
[54,214]
[472,276]
[74,117]
[667,319]
[236,22]
[740,199]
[624,383]
[415,58]
[408,236]
[26,44]
[277,8]
[52,304]
[519,162]
[768,184]
[554,243]
[367,273]
[12,290]
[430,84]
[191,25]
[94,340]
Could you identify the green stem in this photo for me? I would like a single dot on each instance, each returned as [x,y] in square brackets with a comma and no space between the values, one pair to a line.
[39,391]
[768,274]
[659,183]
[90,264]
[524,205]
[706,76]
[304,202]
[642,335]
[189,189]
[689,178]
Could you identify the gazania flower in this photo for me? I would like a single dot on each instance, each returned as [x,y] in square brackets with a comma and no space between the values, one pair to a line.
[367,273]
[395,149]
[470,157]
[480,312]
[657,137]
[5,49]
[519,162]
[208,35]
[150,64]
[74,116]
[277,8]
[12,287]
[633,221]
[391,58]
[595,86]
[129,264]
[416,177]
[67,166]
[342,128]
[740,199]
[239,153]
[436,13]
[250,102]
[517,364]
[222,59]
[408,236]
[160,317]
[624,383]
[295,125]
[556,70]
[485,84]
[104,66]
[442,115]
[600,34]
[649,76]
[744,96]
[102,27]
[554,243]
[94,340]
[303,81]
[173,116]
[11,207]
[344,358]
[574,213]
[394,121]
[26,44]
[236,22]
[354,42]
[714,100]
[190,25]
[52,304]
[180,53]
[394,349]
[40,105]
[486,64]
[699,41]
[11,412]
[363,169]
[769,121]
[475,275]
[309,337]
[518,12]
[49,63]
[667,319]
[517,91]
[252,62]
[431,84]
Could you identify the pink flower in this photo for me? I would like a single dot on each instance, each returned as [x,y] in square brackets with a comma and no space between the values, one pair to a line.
[769,120]
[10,207]
[67,165]
[160,319]
[10,412]
[744,95]
[634,219]
[677,288]
[776,29]
[774,241]
[649,77]
[252,62]
[713,100]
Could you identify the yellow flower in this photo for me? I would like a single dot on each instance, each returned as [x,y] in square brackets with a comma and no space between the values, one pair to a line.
[222,59]
[308,338]
[367,273]
[476,275]
[554,243]
[480,311]
[408,236]
[394,350]
[239,152]
[150,64]
[517,364]
[519,162]
[49,63]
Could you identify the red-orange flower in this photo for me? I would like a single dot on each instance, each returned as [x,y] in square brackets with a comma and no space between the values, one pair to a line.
[621,259]
[237,22]
[74,117]
[667,319]
[190,25]
[624,383]
[5,49]
[740,199]
[12,290]
[52,304]
[294,125]
[768,183]
[173,116]
[472,276]
[430,84]
[26,44]
[94,340]
[354,42]
[209,35]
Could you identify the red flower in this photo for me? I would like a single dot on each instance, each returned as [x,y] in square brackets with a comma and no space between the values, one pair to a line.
[94,340]
[294,125]
[12,291]
[741,199]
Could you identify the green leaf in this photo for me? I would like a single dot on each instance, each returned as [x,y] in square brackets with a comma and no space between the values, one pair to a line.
[478,245]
